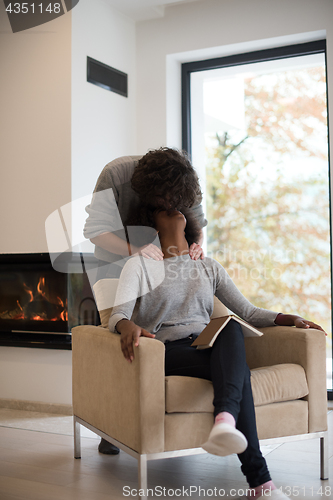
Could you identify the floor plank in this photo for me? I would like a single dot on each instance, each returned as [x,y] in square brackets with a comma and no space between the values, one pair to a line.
[36,463]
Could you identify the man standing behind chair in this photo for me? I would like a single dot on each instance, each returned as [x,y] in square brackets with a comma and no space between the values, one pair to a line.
[163,178]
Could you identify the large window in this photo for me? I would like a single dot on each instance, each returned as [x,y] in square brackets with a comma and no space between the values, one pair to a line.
[256,127]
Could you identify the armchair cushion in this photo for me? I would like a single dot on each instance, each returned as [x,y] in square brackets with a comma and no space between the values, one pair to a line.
[287,418]
[105,294]
[105,314]
[272,384]
[304,347]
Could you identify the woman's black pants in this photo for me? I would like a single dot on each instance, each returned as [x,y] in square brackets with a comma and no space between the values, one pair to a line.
[225,365]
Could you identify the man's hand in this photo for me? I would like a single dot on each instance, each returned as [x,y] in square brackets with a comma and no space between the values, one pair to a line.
[150,251]
[129,334]
[196,252]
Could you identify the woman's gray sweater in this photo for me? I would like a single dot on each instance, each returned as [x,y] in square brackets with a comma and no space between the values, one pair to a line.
[174,298]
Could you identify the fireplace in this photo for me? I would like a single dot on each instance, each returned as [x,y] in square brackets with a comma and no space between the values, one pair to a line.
[38,305]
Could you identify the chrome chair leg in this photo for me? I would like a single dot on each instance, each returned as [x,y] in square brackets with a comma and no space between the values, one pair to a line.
[77,439]
[142,473]
[324,456]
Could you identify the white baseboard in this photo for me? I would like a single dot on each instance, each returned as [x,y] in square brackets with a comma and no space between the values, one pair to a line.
[16,404]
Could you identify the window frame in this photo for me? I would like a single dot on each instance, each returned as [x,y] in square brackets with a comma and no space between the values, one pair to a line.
[284,52]
[301,49]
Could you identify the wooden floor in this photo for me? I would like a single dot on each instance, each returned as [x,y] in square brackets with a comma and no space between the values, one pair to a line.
[36,463]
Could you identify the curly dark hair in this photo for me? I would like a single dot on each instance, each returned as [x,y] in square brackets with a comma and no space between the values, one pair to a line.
[144,216]
[167,174]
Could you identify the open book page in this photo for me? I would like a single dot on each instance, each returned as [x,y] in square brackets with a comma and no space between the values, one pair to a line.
[208,335]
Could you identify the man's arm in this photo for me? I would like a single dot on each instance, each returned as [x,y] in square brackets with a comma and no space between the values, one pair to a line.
[114,244]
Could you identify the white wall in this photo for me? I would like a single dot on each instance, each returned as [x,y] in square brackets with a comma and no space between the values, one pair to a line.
[58,132]
[42,375]
[212,28]
[35,164]
[103,122]
[35,110]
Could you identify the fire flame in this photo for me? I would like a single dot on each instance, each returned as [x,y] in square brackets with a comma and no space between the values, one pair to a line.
[41,294]
[21,314]
[29,292]
[41,283]
[64,313]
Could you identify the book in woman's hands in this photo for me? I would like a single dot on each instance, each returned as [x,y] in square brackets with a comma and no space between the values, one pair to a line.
[209,334]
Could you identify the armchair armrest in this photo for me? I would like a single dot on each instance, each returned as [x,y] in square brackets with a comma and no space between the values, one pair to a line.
[305,347]
[124,400]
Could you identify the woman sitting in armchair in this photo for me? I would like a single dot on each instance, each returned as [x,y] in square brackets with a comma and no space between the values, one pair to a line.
[175,310]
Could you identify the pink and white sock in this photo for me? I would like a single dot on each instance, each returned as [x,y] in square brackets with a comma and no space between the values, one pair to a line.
[225,418]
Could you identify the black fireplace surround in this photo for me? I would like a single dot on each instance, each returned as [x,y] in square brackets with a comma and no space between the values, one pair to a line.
[39,305]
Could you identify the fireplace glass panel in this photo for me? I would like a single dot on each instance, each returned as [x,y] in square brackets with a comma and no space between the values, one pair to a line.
[33,301]
[38,305]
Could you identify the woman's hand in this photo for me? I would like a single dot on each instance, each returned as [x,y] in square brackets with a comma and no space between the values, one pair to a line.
[196,252]
[304,323]
[298,321]
[129,333]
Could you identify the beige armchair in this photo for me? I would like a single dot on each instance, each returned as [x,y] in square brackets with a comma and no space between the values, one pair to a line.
[150,416]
